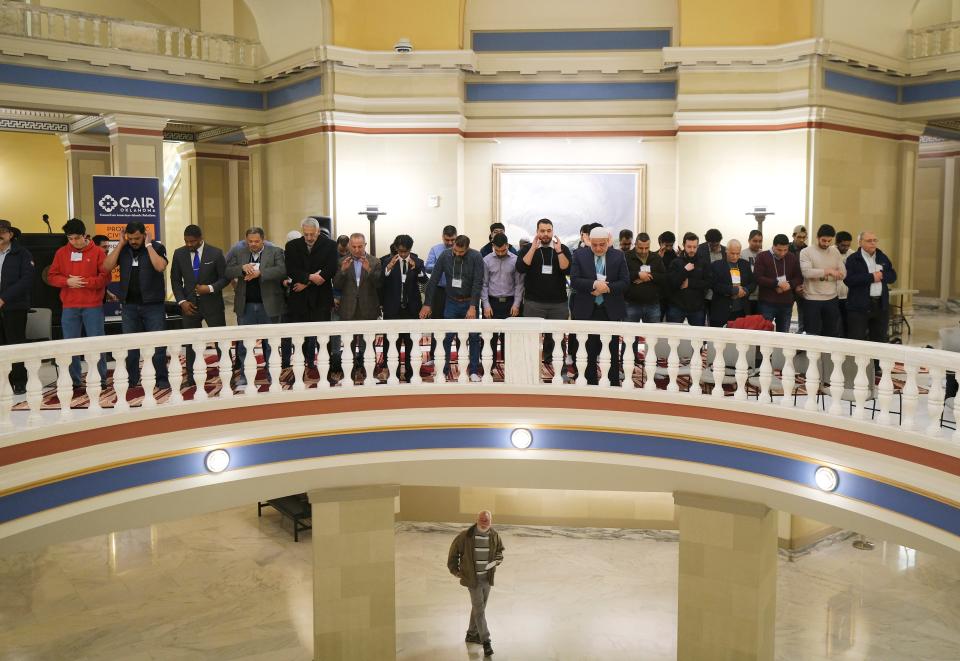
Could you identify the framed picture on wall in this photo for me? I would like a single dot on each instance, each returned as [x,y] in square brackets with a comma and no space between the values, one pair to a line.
[570,196]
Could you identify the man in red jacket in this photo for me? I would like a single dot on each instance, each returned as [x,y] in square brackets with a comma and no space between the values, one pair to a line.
[76,272]
[779,280]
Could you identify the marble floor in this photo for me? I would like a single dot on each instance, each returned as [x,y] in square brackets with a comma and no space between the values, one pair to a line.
[231,586]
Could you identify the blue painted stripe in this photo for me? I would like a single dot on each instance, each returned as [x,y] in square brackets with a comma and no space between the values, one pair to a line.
[841,82]
[902,501]
[77,81]
[570,40]
[945,89]
[292,93]
[570,91]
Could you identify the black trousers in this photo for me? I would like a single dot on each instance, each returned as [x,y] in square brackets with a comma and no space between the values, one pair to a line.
[13,330]
[871,325]
[214,319]
[821,317]
[594,346]
[404,340]
[296,316]
[501,310]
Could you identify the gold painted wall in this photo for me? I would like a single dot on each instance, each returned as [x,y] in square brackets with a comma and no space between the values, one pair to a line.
[33,180]
[857,187]
[928,226]
[744,22]
[379,24]
[296,183]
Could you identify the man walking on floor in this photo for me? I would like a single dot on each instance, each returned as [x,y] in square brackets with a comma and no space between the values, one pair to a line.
[474,556]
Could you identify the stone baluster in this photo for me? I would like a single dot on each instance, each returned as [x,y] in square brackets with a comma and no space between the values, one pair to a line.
[93,380]
[35,390]
[911,397]
[766,372]
[650,363]
[250,368]
[696,368]
[224,368]
[861,386]
[788,377]
[121,382]
[837,384]
[148,376]
[885,392]
[369,359]
[742,370]
[392,359]
[298,364]
[64,385]
[488,357]
[673,364]
[813,380]
[200,374]
[416,358]
[175,374]
[719,368]
[606,360]
[935,400]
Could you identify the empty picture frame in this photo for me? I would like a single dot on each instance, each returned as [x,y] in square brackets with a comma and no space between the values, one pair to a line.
[570,196]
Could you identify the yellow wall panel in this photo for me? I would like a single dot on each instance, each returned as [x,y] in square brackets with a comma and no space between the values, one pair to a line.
[744,22]
[379,24]
[33,180]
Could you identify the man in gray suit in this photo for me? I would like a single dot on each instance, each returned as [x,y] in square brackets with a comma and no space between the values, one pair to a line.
[358,280]
[259,270]
[197,277]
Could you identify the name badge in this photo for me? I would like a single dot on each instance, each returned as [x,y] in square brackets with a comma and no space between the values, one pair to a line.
[735,276]
[879,267]
[644,268]
[456,283]
[76,257]
[135,262]
[601,277]
[781,278]
[546,269]
[256,266]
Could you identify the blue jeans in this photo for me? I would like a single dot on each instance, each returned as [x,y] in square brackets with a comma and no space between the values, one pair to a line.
[676,315]
[83,322]
[253,313]
[458,310]
[139,318]
[647,313]
[780,315]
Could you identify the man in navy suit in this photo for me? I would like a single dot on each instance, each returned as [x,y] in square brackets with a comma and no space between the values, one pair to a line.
[600,277]
[869,272]
[402,273]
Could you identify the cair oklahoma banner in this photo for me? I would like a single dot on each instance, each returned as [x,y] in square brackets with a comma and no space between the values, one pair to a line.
[122,200]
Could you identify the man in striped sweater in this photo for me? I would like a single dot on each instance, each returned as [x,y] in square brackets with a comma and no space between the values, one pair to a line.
[474,556]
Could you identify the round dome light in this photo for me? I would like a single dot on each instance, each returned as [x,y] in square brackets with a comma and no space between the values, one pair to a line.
[826,478]
[521,438]
[217,460]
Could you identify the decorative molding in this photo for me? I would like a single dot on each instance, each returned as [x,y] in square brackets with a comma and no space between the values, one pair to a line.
[33,125]
[437,59]
[650,62]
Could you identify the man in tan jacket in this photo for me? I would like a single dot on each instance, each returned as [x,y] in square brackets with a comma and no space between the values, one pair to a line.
[474,556]
[823,271]
[358,280]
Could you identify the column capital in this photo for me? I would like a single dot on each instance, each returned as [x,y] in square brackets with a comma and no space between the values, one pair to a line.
[720,504]
[84,141]
[365,492]
[135,125]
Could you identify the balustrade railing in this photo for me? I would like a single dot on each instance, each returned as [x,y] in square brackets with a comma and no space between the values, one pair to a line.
[934,40]
[39,22]
[879,384]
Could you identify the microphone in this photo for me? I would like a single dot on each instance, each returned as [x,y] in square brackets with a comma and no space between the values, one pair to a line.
[46,220]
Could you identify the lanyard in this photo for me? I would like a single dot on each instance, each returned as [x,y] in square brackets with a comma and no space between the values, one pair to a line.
[454,269]
[550,251]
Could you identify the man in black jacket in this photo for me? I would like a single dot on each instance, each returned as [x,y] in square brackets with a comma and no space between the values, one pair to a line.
[16,280]
[732,282]
[402,274]
[647,274]
[688,281]
[869,272]
[311,263]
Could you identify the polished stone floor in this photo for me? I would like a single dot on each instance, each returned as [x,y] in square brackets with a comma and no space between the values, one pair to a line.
[231,586]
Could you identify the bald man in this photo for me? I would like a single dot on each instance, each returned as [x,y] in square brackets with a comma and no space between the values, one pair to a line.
[869,273]
[474,556]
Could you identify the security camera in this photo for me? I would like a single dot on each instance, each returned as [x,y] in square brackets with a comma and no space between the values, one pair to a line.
[403,46]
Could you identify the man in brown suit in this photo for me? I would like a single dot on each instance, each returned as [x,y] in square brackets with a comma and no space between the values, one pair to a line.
[358,280]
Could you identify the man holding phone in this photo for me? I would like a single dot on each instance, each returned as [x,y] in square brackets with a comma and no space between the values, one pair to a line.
[545,264]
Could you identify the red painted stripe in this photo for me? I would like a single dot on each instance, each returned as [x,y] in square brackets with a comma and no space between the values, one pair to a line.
[754,128]
[229,157]
[153,133]
[86,148]
[940,154]
[570,134]
[109,434]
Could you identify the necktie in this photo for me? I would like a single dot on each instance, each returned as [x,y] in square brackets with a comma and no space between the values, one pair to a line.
[403,283]
[600,271]
[196,266]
